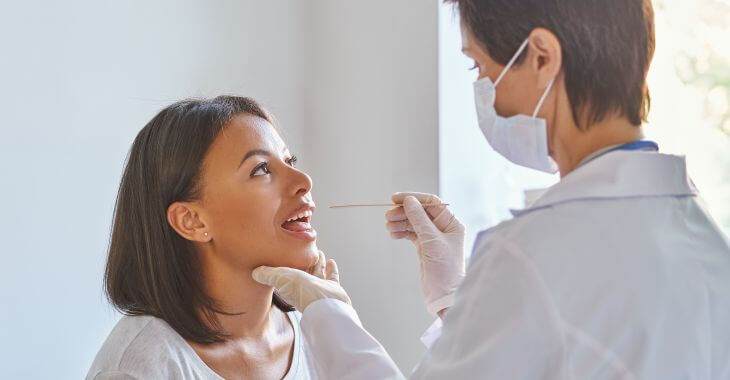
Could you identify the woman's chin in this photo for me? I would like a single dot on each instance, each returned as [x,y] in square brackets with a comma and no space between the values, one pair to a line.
[311,255]
[303,258]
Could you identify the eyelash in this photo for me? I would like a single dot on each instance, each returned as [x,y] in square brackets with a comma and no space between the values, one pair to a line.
[474,67]
[265,165]
[293,161]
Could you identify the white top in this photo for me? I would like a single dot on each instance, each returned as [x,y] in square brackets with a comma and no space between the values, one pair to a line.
[145,347]
[616,272]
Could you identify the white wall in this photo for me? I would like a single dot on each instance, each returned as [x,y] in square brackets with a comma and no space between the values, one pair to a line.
[371,100]
[78,80]
[352,83]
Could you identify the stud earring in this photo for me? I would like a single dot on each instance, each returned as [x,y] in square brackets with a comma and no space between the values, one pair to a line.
[205,234]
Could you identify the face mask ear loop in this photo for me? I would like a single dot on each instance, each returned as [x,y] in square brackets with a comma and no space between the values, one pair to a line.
[511,62]
[542,99]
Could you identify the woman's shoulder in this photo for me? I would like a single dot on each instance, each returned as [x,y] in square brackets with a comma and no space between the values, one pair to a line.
[143,347]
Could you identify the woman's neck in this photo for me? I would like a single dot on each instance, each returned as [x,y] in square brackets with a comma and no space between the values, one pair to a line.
[237,293]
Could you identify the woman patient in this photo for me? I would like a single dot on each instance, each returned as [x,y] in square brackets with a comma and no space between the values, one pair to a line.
[209,192]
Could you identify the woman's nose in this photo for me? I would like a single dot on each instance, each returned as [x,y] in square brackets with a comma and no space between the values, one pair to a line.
[302,183]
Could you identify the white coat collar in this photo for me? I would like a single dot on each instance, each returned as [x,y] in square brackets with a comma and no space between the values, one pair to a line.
[620,174]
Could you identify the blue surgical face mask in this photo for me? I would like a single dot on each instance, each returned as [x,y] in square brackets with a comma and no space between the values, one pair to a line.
[521,139]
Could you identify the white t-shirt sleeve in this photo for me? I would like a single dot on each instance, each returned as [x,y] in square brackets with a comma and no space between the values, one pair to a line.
[114,375]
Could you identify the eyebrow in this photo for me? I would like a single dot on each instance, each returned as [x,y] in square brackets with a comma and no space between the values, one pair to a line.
[255,152]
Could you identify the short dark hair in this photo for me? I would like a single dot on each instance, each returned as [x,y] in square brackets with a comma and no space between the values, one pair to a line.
[150,269]
[607,47]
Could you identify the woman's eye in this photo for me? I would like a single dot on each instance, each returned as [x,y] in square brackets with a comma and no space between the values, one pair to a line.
[261,169]
[292,161]
[474,67]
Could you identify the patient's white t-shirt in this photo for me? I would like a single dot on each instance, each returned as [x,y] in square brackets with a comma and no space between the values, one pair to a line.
[145,347]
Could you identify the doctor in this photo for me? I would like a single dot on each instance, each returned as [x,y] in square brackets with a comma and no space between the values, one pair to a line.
[616,272]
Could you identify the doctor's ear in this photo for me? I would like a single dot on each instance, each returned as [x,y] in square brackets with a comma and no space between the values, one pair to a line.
[186,221]
[545,55]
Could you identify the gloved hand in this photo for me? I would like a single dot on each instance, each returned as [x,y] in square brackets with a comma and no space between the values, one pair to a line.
[299,288]
[439,238]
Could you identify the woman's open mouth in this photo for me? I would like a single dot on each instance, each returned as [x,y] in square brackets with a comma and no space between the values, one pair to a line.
[299,226]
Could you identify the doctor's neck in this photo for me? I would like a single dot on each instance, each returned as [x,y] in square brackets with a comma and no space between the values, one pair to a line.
[571,145]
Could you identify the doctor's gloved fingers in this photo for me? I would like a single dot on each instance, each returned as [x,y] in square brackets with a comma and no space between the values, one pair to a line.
[318,269]
[436,213]
[399,213]
[396,214]
[270,276]
[423,198]
[331,272]
[421,222]
[448,223]
[404,235]
[401,226]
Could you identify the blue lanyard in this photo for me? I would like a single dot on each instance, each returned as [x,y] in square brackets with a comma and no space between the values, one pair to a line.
[638,145]
[634,145]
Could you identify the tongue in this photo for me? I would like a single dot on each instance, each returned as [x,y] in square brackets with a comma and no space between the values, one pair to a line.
[297,226]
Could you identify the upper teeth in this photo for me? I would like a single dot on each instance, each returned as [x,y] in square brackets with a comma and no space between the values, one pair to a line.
[303,214]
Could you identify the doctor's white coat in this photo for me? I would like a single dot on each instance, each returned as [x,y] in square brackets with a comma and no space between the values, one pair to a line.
[616,272]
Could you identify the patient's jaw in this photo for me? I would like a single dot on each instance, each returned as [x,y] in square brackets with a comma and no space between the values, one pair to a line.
[255,205]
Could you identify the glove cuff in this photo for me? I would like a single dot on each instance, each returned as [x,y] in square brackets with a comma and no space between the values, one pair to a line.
[442,303]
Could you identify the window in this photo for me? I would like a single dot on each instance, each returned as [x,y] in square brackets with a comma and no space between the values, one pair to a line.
[690,86]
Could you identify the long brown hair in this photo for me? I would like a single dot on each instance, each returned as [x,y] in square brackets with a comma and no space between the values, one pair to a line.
[150,269]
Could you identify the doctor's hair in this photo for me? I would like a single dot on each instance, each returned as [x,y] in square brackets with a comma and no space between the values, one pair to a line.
[150,268]
[607,47]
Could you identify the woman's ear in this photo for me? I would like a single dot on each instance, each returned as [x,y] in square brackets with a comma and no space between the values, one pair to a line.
[185,220]
[546,55]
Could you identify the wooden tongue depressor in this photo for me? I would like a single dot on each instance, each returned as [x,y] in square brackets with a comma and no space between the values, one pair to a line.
[387,205]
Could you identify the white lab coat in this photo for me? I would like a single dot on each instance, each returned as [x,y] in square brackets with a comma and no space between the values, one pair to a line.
[616,272]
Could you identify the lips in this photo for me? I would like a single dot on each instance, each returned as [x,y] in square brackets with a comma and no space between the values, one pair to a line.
[298,223]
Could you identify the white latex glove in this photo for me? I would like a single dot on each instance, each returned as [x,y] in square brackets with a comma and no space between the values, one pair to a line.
[439,238]
[299,288]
